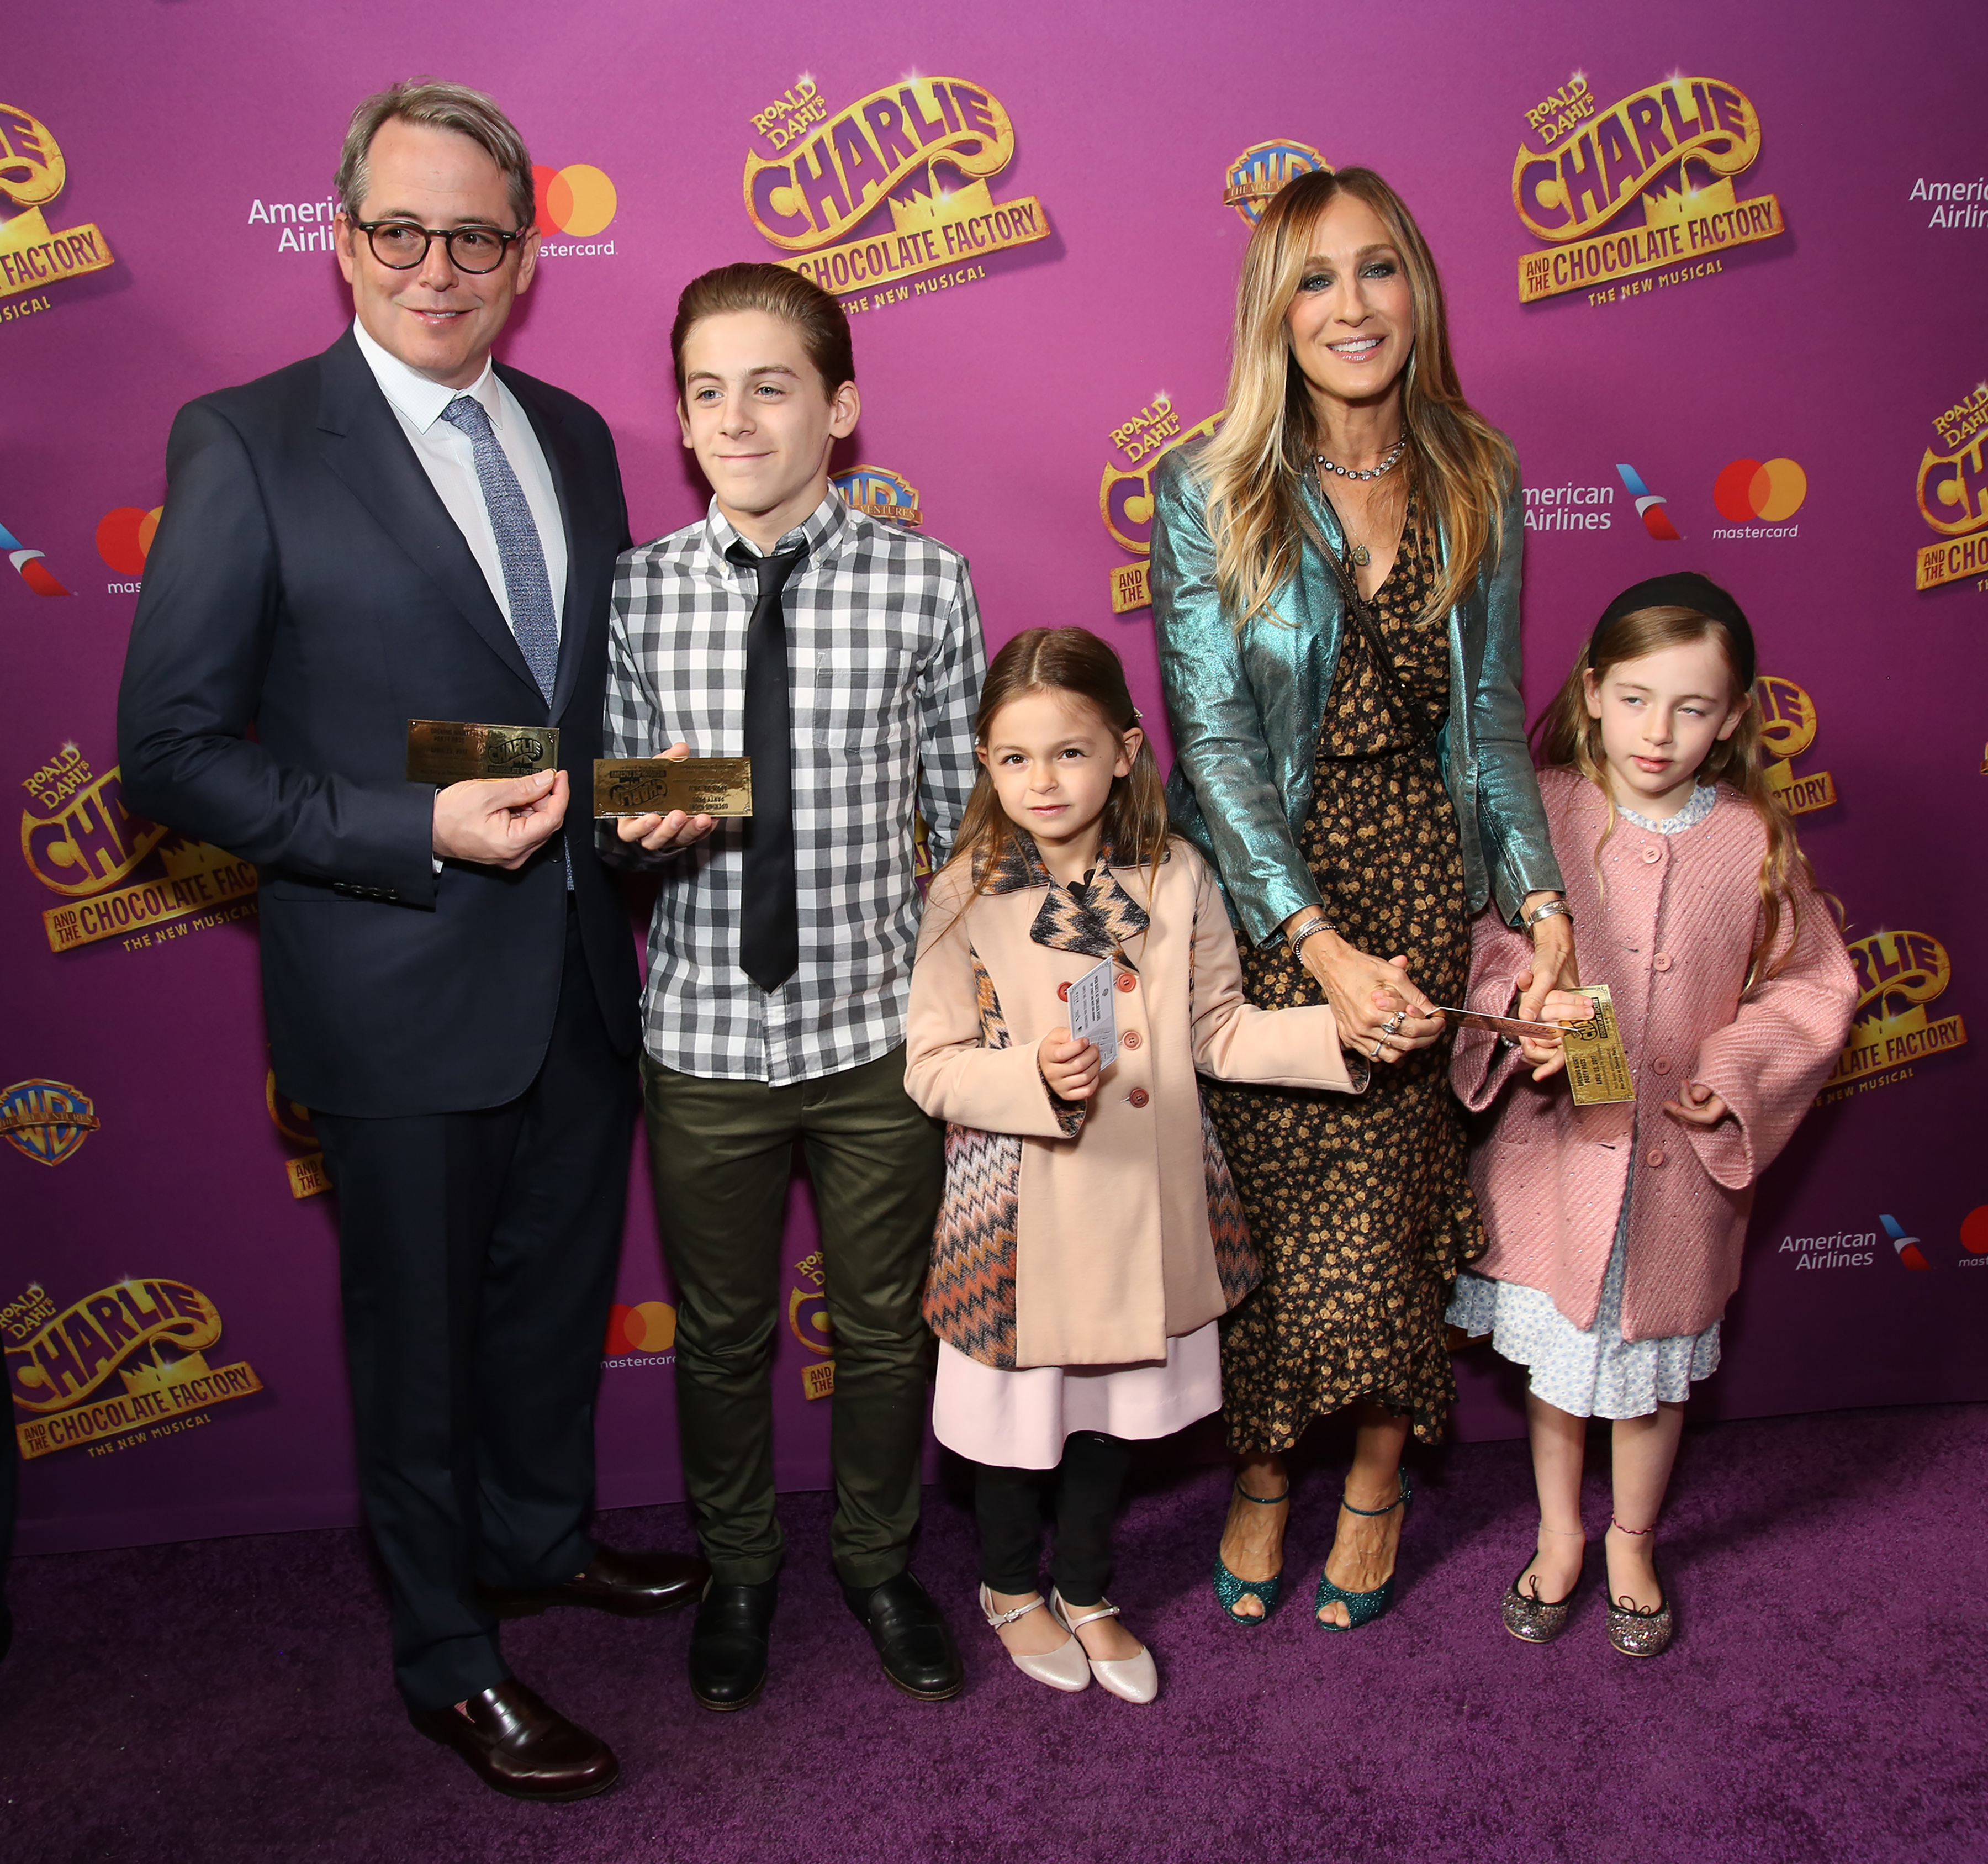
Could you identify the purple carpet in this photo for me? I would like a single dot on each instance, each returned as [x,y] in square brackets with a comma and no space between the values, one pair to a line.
[1827,1699]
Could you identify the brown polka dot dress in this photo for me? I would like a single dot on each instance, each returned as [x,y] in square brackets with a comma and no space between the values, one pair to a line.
[1359,1205]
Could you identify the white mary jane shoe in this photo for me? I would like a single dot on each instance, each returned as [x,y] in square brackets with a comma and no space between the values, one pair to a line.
[1064,1667]
[1133,1679]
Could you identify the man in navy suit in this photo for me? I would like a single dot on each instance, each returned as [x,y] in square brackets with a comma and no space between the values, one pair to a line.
[396,529]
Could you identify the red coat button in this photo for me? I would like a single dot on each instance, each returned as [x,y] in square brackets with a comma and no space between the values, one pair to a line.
[1662,961]
[1138,1097]
[1651,855]
[1660,1065]
[1130,1040]
[1062,993]
[1127,981]
[1653,1157]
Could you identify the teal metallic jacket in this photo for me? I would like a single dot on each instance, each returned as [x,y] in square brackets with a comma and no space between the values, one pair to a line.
[1246,711]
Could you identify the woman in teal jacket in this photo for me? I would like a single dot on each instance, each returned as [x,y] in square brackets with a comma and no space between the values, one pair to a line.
[1335,578]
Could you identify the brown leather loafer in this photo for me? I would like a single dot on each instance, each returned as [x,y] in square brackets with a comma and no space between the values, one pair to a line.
[517,1743]
[631,1582]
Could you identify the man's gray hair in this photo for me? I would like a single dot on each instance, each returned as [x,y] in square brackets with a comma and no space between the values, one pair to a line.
[437,106]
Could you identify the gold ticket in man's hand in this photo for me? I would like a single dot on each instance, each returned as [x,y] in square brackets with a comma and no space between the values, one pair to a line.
[655,786]
[442,752]
[1596,1069]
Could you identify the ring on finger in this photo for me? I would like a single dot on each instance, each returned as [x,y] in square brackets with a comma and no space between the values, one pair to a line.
[1394,1022]
[1378,1047]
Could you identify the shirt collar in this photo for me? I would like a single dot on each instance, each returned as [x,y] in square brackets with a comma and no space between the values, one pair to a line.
[821,530]
[418,400]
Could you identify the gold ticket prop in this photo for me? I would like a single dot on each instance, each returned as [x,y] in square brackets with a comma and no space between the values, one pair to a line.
[1596,1069]
[655,786]
[440,751]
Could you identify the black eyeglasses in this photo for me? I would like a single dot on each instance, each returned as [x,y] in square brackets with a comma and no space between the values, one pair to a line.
[403,245]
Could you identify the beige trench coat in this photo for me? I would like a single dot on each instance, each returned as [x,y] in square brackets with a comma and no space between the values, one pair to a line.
[1111,1254]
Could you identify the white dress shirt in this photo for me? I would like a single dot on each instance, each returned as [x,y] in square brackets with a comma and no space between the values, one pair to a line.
[449,459]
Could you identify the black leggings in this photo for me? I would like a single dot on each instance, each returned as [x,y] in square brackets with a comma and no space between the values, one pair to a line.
[1009,1504]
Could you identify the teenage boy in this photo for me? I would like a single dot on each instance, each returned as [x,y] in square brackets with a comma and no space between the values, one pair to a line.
[843,657]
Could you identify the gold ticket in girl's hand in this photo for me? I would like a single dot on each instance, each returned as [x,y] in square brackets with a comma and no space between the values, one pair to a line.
[1596,1069]
[655,786]
[440,751]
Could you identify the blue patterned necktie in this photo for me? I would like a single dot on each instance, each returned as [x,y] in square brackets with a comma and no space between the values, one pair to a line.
[529,589]
[534,621]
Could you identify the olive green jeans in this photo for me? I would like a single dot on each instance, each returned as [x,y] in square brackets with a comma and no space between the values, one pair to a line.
[721,1154]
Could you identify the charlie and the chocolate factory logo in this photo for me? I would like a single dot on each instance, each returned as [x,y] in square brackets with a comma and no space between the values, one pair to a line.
[33,254]
[150,1337]
[1673,148]
[118,875]
[926,147]
[1953,495]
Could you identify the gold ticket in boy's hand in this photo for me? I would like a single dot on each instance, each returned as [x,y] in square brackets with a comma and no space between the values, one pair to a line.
[442,752]
[655,786]
[1596,1069]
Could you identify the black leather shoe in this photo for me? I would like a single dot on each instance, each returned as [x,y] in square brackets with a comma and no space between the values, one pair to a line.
[631,1582]
[518,1745]
[911,1634]
[728,1644]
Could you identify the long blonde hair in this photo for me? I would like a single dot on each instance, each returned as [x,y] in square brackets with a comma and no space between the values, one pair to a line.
[1071,660]
[1569,740]
[1461,466]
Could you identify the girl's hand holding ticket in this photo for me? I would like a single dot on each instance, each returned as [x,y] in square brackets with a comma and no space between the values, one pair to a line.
[1069,1066]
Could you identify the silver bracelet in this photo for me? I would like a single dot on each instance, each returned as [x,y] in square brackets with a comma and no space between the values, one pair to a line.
[1304,931]
[1553,909]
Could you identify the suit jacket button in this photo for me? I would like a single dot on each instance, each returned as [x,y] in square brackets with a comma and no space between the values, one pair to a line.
[1062,993]
[1130,1039]
[1654,1156]
[1127,981]
[1660,1065]
[1662,961]
[1138,1097]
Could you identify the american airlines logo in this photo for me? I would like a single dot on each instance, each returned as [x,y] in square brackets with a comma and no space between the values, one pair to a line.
[1649,507]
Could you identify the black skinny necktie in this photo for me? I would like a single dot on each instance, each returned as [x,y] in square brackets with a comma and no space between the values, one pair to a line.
[769,937]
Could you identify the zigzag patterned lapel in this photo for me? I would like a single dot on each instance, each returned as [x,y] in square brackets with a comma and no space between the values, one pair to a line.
[1096,916]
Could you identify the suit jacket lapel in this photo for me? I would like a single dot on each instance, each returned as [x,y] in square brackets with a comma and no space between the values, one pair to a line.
[360,438]
[560,457]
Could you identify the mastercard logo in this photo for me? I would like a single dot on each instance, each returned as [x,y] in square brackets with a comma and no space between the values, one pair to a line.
[578,201]
[648,1327]
[1974,1231]
[124,538]
[1750,489]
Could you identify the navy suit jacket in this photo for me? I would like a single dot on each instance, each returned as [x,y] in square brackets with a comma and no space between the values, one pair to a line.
[306,595]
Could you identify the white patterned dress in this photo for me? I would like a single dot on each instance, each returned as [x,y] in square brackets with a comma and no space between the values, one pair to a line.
[1592,1372]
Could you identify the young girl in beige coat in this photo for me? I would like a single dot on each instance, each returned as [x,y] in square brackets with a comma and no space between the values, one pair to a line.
[1090,1236]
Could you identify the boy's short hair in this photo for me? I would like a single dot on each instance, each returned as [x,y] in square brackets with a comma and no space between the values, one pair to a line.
[749,287]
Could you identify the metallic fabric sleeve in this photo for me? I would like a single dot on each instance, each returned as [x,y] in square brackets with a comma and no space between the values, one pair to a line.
[1511,821]
[1224,793]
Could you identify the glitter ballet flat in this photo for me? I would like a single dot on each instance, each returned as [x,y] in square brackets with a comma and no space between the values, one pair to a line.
[1362,1608]
[1533,1619]
[1641,1634]
[1633,1630]
[1230,1590]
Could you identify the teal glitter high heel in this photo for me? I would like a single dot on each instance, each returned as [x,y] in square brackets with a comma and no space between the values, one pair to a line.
[1229,1590]
[1362,1608]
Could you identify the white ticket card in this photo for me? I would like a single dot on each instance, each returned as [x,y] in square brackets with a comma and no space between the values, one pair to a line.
[1092,1017]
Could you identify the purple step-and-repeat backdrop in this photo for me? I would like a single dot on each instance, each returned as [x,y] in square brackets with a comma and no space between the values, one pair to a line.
[1719,272]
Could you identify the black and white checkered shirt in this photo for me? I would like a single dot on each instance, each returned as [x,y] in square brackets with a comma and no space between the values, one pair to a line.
[885,658]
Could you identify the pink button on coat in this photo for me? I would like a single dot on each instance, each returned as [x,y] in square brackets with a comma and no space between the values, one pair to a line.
[1669,933]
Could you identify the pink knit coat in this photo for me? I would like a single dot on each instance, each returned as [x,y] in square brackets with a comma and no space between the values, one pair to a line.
[1669,934]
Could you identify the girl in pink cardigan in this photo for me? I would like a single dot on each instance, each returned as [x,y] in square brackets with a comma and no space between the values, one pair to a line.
[1090,1236]
[1616,1230]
